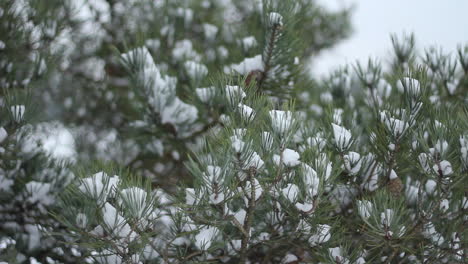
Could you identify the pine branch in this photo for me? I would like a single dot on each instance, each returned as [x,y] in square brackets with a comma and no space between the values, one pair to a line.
[249,216]
[269,53]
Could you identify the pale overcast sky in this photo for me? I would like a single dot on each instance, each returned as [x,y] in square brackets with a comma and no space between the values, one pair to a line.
[434,22]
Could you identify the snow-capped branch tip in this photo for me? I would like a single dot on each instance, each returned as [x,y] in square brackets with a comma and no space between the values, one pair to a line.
[275,19]
[343,137]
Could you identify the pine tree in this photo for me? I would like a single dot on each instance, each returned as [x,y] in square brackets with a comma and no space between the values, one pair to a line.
[203,139]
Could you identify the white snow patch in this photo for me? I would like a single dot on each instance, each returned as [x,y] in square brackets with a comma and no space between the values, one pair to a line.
[234,94]
[364,208]
[342,137]
[445,168]
[321,235]
[291,192]
[195,70]
[17,112]
[248,65]
[311,180]
[281,121]
[246,112]
[205,237]
[179,113]
[275,18]
[3,134]
[205,94]
[210,31]
[290,158]
[249,42]
[99,186]
[39,192]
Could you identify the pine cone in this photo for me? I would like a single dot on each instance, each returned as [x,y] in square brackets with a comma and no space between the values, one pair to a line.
[395,186]
[256,75]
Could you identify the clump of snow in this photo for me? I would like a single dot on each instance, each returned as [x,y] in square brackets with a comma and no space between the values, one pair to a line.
[248,65]
[33,237]
[249,42]
[183,50]
[5,183]
[234,94]
[17,112]
[412,193]
[464,150]
[384,89]
[240,216]
[303,226]
[195,70]
[134,199]
[386,217]
[430,186]
[289,156]
[444,167]
[311,180]
[161,89]
[411,85]
[190,196]
[352,162]
[256,185]
[342,137]
[253,160]
[364,208]
[153,44]
[281,121]
[338,116]
[81,220]
[205,94]
[337,255]
[53,139]
[216,197]
[440,147]
[94,68]
[305,207]
[430,232]
[99,186]
[396,126]
[423,159]
[212,174]
[213,179]
[371,174]
[206,236]
[179,113]
[326,97]
[291,192]
[39,192]
[324,166]
[116,224]
[186,13]
[275,19]
[444,205]
[246,112]
[3,134]
[321,235]
[210,31]
[237,144]
[318,141]
[267,140]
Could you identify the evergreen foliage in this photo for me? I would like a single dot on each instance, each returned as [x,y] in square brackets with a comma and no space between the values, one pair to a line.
[198,136]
